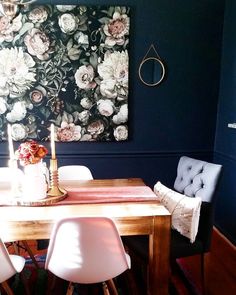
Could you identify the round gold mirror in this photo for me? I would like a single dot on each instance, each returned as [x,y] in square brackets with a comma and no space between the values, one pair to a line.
[151,71]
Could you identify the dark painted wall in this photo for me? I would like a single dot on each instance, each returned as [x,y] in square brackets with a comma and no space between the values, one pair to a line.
[225,144]
[178,116]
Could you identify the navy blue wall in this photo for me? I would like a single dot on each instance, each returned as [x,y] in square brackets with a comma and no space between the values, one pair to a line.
[178,116]
[225,144]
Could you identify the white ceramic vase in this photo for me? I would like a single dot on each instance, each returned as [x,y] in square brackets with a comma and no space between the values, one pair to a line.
[34,183]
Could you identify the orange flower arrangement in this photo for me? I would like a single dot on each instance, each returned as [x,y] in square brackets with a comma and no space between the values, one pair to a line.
[30,152]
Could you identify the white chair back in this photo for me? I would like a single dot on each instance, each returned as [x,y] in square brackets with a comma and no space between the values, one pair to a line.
[8,175]
[74,172]
[10,264]
[86,250]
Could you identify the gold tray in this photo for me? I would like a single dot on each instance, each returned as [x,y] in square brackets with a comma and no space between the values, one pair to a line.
[49,200]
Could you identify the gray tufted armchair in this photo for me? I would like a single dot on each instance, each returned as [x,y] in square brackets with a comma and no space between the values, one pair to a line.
[195,178]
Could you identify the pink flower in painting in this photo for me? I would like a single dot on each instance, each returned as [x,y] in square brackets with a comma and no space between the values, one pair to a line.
[96,127]
[37,94]
[38,15]
[116,29]
[38,44]
[68,132]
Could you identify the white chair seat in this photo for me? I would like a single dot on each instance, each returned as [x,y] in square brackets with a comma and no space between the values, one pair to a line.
[18,262]
[10,264]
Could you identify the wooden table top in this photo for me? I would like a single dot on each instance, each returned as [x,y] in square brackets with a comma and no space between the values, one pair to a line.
[145,204]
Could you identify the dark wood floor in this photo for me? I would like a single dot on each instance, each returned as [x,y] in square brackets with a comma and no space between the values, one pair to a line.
[220,272]
[220,266]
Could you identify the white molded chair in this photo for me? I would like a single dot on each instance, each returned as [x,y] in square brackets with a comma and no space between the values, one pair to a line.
[6,176]
[10,265]
[69,172]
[86,250]
[74,172]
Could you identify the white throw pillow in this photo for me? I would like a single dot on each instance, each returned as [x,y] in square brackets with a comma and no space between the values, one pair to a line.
[185,211]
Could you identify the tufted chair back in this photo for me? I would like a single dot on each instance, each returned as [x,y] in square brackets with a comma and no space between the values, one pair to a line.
[197,178]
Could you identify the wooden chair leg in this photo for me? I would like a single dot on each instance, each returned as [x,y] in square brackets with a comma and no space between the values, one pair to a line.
[112,287]
[16,249]
[7,288]
[25,244]
[70,289]
[105,289]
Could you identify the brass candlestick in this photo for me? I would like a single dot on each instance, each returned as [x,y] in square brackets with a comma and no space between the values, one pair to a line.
[54,189]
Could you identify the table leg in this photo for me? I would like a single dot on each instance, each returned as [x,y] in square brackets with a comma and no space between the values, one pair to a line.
[159,247]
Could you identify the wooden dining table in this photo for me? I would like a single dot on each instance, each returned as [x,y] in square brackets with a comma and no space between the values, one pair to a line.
[129,202]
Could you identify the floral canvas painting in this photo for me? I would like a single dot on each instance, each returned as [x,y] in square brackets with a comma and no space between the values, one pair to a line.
[67,65]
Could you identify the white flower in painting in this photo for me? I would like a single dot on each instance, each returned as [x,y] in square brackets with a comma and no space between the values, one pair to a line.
[81,38]
[86,103]
[64,8]
[68,23]
[114,73]
[116,29]
[84,116]
[8,29]
[121,133]
[18,112]
[87,137]
[19,132]
[105,107]
[121,116]
[3,105]
[84,77]
[107,88]
[17,72]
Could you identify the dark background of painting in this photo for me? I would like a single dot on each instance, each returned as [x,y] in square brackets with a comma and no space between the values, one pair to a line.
[188,113]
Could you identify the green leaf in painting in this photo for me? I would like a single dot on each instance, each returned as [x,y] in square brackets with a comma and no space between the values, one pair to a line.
[94,59]
[69,44]
[104,20]
[26,27]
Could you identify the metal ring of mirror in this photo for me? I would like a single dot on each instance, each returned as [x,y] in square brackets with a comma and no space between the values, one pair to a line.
[154,60]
